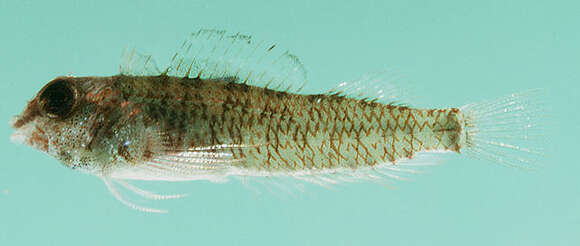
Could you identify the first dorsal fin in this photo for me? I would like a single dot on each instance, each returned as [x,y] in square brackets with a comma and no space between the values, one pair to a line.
[213,54]
[137,64]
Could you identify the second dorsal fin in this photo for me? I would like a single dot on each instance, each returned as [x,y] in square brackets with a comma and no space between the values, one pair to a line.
[213,54]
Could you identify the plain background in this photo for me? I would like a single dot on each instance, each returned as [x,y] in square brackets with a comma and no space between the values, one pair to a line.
[455,52]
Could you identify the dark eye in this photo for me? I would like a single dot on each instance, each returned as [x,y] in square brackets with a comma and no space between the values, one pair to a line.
[57,99]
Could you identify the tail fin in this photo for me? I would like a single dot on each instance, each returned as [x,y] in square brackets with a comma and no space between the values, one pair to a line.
[506,130]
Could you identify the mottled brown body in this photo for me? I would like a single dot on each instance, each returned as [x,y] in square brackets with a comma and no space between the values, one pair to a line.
[281,130]
[124,121]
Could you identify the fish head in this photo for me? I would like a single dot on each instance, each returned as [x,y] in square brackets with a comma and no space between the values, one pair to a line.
[60,121]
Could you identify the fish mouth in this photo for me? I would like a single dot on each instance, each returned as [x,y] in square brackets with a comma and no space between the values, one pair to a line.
[18,137]
[28,134]
[20,121]
[14,120]
[31,112]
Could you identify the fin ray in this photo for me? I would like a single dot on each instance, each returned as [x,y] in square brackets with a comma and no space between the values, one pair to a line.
[147,194]
[204,162]
[136,64]
[507,130]
[125,202]
[382,86]
[214,54]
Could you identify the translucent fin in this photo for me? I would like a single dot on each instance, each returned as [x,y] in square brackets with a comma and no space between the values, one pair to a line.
[506,130]
[200,163]
[382,173]
[161,172]
[205,158]
[213,54]
[147,194]
[119,197]
[197,160]
[383,86]
[136,64]
[278,186]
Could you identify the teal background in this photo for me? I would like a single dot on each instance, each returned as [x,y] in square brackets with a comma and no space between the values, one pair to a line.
[454,52]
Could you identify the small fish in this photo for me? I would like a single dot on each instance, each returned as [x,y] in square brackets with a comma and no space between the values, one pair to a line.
[230,106]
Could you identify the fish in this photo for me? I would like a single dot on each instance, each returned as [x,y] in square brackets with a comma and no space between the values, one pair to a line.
[229,106]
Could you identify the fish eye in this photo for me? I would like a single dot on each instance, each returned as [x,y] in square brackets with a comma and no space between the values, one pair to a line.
[57,98]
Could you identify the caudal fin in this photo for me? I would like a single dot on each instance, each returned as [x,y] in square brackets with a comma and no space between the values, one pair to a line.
[506,130]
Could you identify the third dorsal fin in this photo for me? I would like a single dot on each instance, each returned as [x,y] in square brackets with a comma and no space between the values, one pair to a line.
[213,54]
[382,86]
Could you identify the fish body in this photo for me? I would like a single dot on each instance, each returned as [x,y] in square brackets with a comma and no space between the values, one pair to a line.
[206,117]
[127,121]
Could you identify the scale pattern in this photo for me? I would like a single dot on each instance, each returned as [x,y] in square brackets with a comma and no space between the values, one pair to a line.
[284,131]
